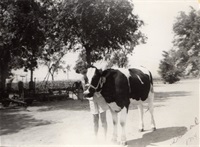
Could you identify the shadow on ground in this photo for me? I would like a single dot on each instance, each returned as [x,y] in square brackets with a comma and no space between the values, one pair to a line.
[75,105]
[161,97]
[12,121]
[159,135]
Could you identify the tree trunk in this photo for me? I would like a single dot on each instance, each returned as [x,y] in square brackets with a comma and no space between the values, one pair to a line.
[52,76]
[3,80]
[67,75]
[88,54]
[31,75]
[3,72]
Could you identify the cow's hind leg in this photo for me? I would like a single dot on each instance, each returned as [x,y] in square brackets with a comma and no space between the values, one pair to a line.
[115,122]
[123,125]
[141,113]
[151,108]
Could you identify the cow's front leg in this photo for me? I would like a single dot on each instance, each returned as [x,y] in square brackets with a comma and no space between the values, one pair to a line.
[124,112]
[141,112]
[115,122]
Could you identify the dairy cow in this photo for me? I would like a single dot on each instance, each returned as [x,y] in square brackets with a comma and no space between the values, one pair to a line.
[119,87]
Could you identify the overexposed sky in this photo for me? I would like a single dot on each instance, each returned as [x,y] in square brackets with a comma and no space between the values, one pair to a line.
[159,17]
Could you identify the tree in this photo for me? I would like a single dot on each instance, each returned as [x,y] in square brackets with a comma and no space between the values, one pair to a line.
[7,32]
[55,47]
[30,33]
[81,63]
[54,64]
[100,26]
[21,35]
[168,68]
[187,41]
[118,58]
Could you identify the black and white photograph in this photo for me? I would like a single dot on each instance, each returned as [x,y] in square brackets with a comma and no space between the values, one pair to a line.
[99,73]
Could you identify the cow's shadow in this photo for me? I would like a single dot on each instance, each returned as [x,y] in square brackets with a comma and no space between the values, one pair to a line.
[157,136]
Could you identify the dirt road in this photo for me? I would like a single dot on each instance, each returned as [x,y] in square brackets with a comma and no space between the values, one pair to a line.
[69,122]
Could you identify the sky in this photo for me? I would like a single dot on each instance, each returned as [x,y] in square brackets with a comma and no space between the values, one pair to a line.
[159,17]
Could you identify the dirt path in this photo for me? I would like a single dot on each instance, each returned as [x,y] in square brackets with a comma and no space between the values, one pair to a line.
[70,122]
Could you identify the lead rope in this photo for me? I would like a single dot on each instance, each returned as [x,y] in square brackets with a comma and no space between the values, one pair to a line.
[99,83]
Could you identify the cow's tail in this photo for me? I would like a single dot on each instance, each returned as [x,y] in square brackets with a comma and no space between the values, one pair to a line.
[151,78]
[151,88]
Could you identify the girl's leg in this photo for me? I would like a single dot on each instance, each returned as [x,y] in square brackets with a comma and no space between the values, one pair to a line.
[104,122]
[96,123]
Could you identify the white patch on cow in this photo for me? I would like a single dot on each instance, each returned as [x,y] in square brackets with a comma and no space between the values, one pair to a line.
[114,107]
[143,69]
[140,79]
[90,74]
[124,71]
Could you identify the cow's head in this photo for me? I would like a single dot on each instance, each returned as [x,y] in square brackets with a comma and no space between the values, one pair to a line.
[95,81]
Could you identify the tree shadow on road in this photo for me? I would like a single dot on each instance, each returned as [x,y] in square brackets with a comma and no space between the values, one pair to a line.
[162,96]
[75,105]
[15,119]
[157,136]
[12,121]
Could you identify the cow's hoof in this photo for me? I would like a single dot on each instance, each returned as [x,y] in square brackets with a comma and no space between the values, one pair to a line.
[153,129]
[123,143]
[141,130]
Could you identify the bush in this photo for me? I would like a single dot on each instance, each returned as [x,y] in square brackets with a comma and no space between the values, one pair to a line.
[171,77]
[168,70]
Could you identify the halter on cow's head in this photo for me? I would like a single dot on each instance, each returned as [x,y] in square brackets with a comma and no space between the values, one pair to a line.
[95,81]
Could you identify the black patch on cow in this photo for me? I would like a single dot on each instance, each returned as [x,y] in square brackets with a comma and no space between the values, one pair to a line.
[115,89]
[139,90]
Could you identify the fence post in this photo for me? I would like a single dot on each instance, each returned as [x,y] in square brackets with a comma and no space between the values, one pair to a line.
[21,89]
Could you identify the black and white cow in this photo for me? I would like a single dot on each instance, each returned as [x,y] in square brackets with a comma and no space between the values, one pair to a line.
[118,87]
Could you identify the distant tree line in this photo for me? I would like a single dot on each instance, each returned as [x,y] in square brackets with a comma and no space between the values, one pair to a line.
[184,59]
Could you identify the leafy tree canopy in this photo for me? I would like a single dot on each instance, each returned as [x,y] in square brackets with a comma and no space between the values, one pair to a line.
[22,32]
[187,41]
[101,25]
[118,58]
